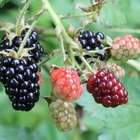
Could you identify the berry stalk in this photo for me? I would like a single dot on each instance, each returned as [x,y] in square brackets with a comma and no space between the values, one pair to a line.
[76,16]
[86,63]
[21,16]
[134,64]
[48,56]
[60,30]
[62,34]
[25,39]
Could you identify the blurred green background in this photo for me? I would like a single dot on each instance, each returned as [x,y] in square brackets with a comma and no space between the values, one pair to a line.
[117,18]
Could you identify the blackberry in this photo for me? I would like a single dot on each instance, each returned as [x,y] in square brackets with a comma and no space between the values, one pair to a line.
[63,114]
[32,42]
[91,41]
[5,44]
[107,89]
[20,82]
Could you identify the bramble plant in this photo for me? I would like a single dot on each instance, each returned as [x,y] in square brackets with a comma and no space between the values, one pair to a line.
[90,59]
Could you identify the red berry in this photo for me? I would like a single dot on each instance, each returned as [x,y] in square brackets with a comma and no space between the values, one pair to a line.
[66,84]
[107,89]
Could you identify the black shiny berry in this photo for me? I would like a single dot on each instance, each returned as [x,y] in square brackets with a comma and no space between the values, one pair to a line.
[32,42]
[100,36]
[20,81]
[17,40]
[91,41]
[5,44]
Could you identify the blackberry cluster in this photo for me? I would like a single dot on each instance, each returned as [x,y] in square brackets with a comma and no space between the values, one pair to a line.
[91,41]
[20,79]
[32,42]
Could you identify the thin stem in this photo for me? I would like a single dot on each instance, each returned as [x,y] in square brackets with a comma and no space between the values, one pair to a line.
[55,18]
[40,12]
[134,64]
[59,25]
[60,30]
[25,39]
[86,63]
[62,47]
[71,56]
[47,69]
[75,16]
[45,31]
[48,56]
[96,51]
[21,16]
[137,31]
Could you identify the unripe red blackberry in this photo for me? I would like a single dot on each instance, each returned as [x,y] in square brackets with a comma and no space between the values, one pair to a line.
[66,84]
[20,79]
[63,114]
[125,48]
[107,89]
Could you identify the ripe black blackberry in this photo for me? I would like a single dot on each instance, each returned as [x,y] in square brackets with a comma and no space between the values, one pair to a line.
[91,41]
[20,80]
[32,42]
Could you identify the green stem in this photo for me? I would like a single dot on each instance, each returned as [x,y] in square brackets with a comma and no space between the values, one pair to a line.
[62,47]
[58,24]
[21,16]
[45,31]
[35,17]
[75,16]
[55,18]
[48,56]
[71,56]
[47,69]
[86,63]
[137,31]
[98,51]
[134,64]
[25,39]
[61,32]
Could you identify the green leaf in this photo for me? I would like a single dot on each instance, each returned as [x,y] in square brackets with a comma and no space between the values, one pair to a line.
[14,133]
[118,123]
[3,2]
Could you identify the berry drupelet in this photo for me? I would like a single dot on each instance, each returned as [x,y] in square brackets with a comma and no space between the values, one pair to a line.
[91,41]
[107,89]
[32,42]
[20,80]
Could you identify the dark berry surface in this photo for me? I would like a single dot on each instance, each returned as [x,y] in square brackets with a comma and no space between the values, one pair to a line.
[32,42]
[107,89]
[20,81]
[91,41]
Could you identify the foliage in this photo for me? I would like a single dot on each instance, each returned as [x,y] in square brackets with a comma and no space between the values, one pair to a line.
[98,123]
